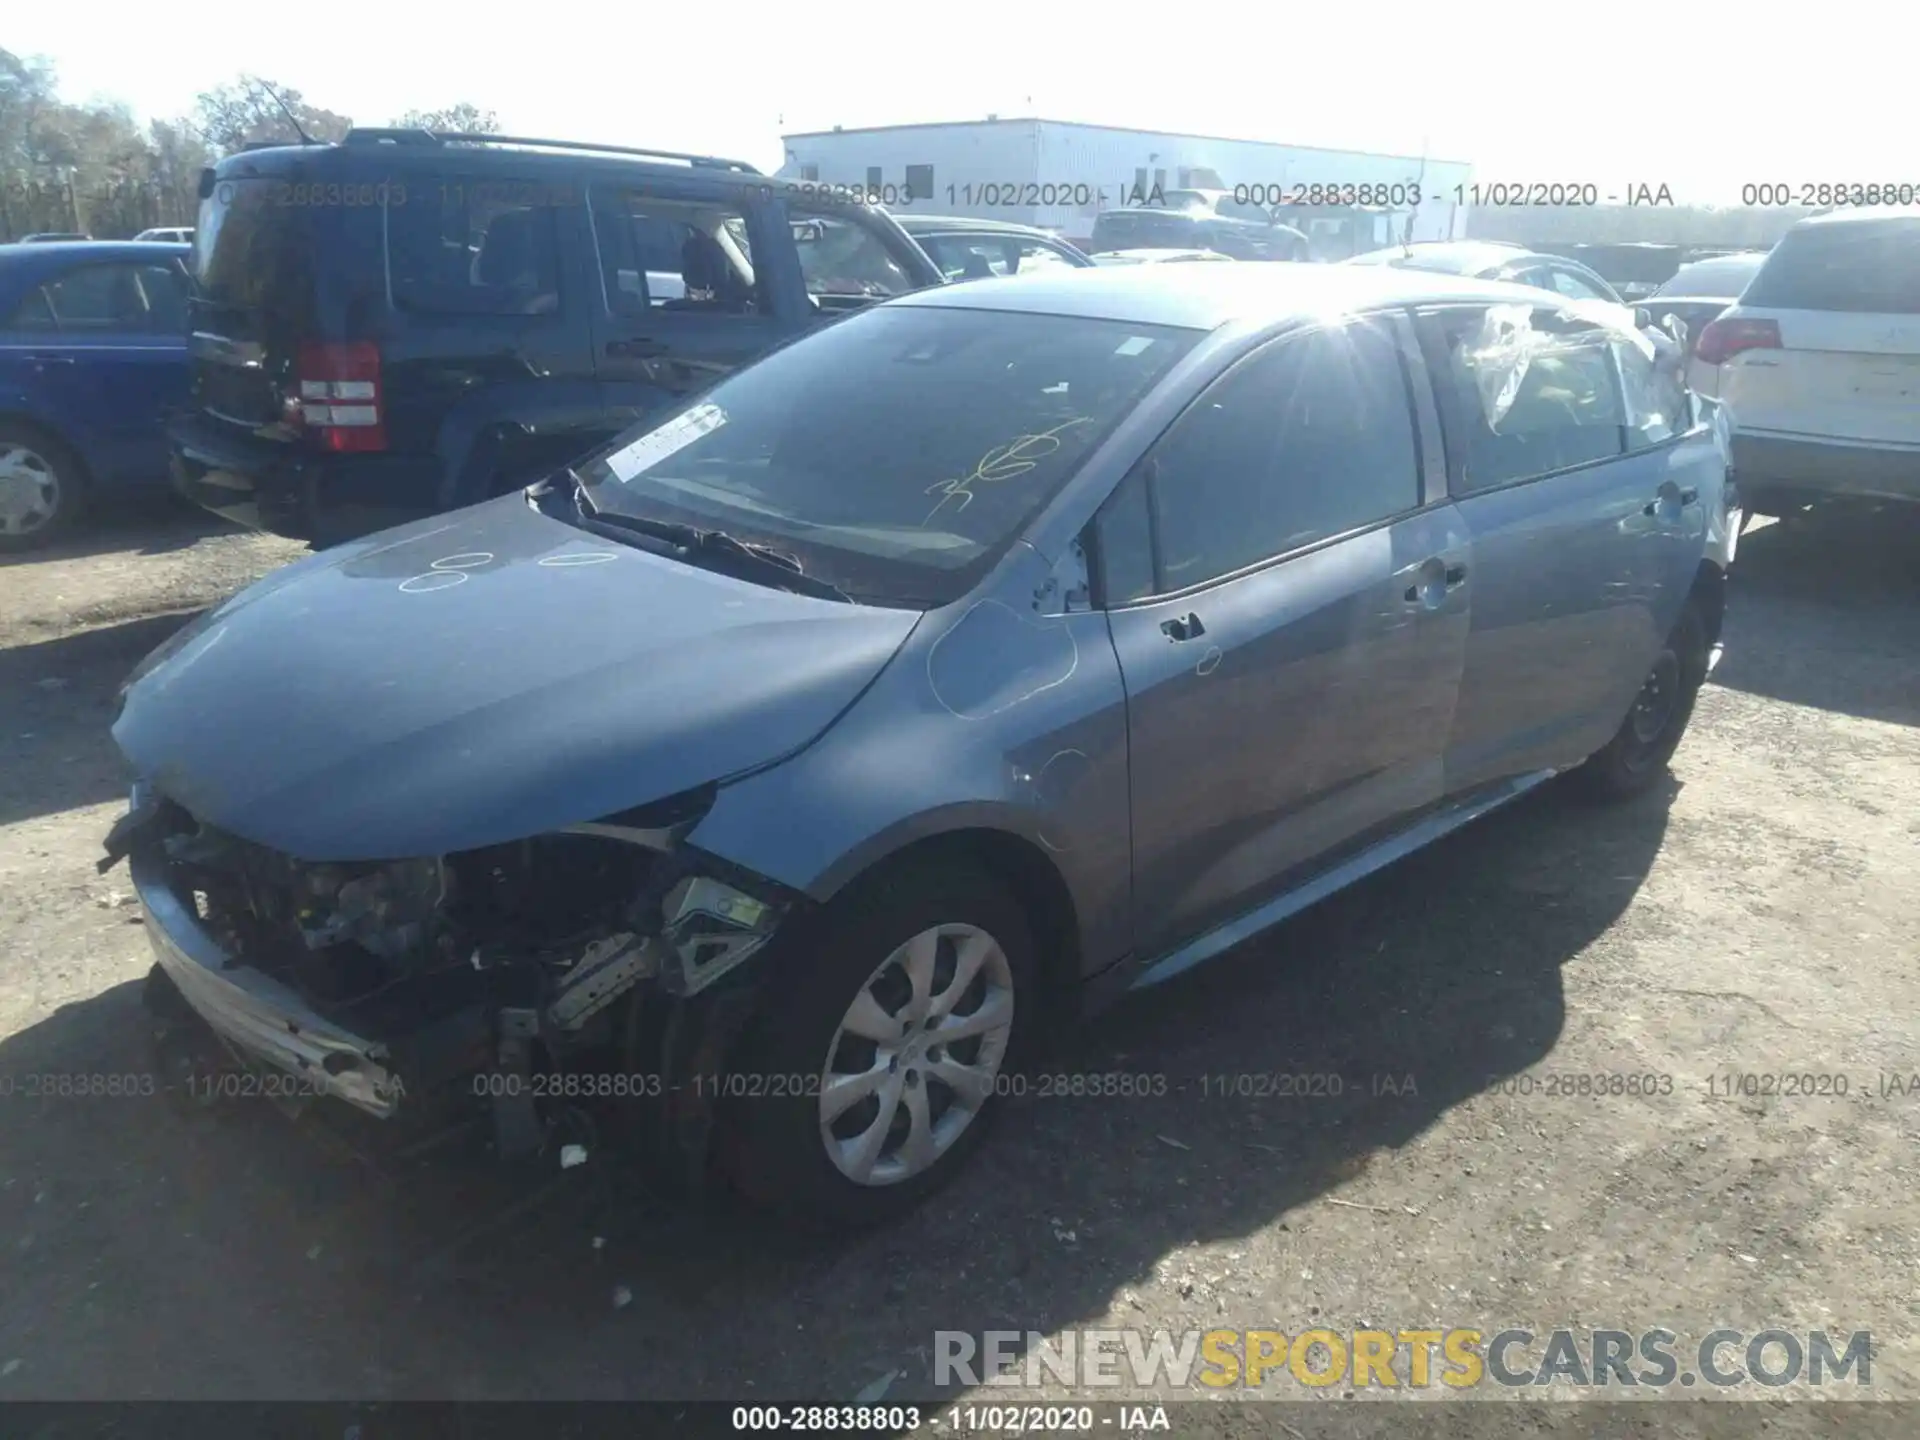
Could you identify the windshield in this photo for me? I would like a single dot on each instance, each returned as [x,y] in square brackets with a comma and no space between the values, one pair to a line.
[847,450]
[253,248]
[1860,267]
[1142,229]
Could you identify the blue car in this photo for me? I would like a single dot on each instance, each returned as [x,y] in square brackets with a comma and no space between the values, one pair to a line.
[93,354]
[786,771]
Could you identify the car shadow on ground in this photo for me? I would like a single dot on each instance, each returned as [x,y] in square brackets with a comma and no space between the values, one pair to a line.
[144,524]
[57,701]
[307,1271]
[1827,586]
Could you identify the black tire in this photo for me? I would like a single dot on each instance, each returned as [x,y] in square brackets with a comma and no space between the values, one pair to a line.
[770,1145]
[28,451]
[1637,756]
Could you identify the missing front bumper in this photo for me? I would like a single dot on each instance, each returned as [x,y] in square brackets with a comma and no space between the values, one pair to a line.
[261,1018]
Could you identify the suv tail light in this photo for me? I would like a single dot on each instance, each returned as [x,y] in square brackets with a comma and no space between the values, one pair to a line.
[339,400]
[1727,337]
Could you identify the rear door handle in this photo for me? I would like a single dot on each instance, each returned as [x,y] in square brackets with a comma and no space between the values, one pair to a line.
[1185,627]
[638,348]
[51,359]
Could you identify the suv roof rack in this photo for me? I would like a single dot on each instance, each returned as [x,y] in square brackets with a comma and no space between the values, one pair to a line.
[364,135]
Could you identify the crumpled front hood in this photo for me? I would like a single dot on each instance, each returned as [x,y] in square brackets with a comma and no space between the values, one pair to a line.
[480,677]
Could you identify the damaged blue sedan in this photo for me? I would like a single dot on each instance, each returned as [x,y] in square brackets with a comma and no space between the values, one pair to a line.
[775,780]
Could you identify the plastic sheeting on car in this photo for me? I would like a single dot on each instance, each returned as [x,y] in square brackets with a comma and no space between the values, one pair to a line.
[1509,342]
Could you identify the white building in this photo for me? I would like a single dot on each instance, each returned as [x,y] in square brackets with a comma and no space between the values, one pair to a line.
[1059,175]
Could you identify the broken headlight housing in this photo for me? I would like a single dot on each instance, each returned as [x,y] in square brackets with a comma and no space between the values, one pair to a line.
[710,927]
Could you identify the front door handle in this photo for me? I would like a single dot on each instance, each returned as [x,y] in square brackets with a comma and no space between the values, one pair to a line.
[1433,579]
[44,360]
[1670,494]
[1185,627]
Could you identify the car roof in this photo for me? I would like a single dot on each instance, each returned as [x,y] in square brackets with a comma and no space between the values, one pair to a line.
[1451,257]
[1151,253]
[53,253]
[1161,211]
[375,149]
[945,224]
[1749,260]
[1204,297]
[1860,215]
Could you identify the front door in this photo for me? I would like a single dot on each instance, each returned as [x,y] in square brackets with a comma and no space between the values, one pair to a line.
[1290,620]
[689,293]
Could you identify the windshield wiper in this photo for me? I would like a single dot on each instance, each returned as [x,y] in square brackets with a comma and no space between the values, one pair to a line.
[785,569]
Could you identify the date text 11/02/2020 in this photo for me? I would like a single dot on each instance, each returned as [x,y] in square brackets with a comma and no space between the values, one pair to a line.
[1291,194]
[753,1085]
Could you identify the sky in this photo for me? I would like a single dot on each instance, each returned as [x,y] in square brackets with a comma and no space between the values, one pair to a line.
[1524,92]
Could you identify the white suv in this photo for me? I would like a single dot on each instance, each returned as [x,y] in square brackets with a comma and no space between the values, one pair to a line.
[1819,364]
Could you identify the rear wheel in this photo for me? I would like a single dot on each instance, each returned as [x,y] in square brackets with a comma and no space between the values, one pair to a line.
[871,1071]
[1638,753]
[41,487]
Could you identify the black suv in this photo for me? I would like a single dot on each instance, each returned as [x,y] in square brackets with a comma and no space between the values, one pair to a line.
[407,322]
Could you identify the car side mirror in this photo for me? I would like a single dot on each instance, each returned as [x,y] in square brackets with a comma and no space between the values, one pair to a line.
[1642,318]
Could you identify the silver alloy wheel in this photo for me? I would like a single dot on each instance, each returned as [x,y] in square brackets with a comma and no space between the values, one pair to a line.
[916,1055]
[29,490]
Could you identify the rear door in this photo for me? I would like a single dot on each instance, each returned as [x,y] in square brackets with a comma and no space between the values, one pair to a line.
[1845,296]
[1574,535]
[104,348]
[1287,592]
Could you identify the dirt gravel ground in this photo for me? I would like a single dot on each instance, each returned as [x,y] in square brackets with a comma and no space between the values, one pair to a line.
[1758,915]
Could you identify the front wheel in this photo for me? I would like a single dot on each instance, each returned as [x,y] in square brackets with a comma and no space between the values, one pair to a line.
[872,1069]
[1639,751]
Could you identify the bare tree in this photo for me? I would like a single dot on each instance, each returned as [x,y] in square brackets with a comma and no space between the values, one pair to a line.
[461,119]
[253,111]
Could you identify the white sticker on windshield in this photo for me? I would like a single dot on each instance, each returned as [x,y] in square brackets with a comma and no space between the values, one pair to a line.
[1134,346]
[656,445]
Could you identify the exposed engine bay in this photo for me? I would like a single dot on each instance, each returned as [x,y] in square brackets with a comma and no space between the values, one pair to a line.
[602,945]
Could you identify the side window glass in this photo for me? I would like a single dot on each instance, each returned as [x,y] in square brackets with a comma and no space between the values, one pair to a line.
[1308,439]
[960,259]
[848,258]
[474,246]
[659,252]
[1123,542]
[33,313]
[100,297]
[165,292]
[1654,395]
[1032,256]
[1534,389]
[1573,286]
